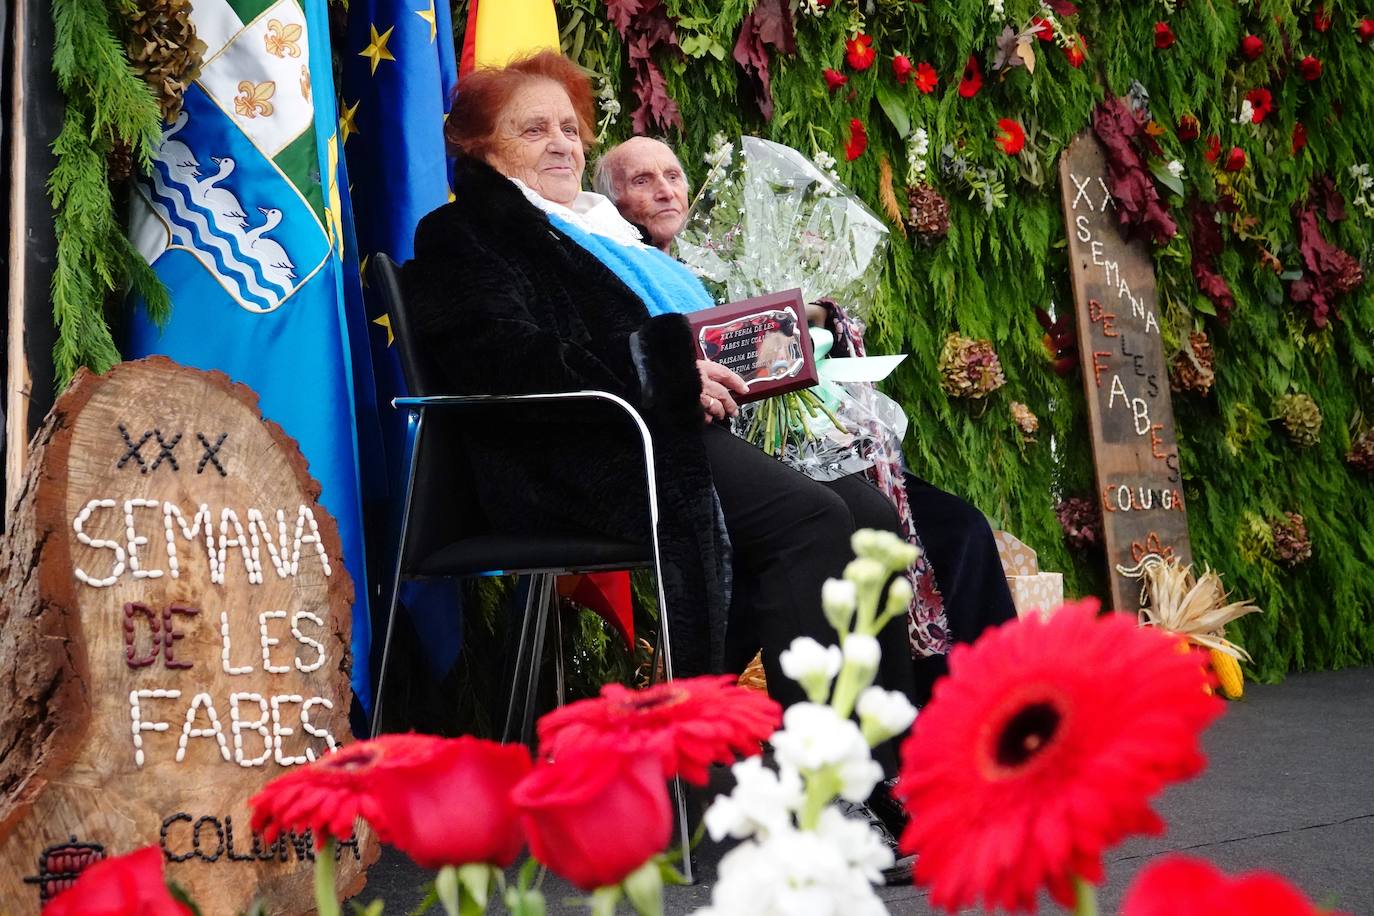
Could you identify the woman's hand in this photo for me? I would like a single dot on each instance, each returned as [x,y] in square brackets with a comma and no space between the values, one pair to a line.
[716,384]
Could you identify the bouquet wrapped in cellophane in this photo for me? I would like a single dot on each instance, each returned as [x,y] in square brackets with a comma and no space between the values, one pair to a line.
[766,219]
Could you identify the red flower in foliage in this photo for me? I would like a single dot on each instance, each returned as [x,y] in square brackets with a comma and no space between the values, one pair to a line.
[1076,53]
[1321,18]
[595,814]
[1251,47]
[688,723]
[901,68]
[1213,148]
[1188,128]
[926,77]
[1043,30]
[972,80]
[1011,137]
[1041,749]
[1310,68]
[858,51]
[1365,30]
[128,885]
[1164,36]
[1179,885]
[1235,159]
[1261,103]
[834,79]
[858,140]
[1299,136]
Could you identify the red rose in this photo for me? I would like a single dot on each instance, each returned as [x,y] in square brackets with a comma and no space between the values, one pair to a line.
[1321,18]
[1179,885]
[901,68]
[1043,30]
[1261,103]
[1188,128]
[1251,46]
[858,140]
[858,51]
[1213,148]
[1365,30]
[1076,53]
[834,79]
[455,808]
[594,815]
[1299,136]
[972,80]
[128,884]
[926,77]
[1310,68]
[1164,36]
[1011,137]
[1235,160]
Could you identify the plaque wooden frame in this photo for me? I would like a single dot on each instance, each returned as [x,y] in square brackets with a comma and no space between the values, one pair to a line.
[734,318]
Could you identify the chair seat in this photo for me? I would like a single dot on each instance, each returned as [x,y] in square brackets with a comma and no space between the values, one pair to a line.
[522,553]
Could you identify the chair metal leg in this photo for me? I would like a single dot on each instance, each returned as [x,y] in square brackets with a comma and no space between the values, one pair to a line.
[545,582]
[386,656]
[559,659]
[527,620]
[662,651]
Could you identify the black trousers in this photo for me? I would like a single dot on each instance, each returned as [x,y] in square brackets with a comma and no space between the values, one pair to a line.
[789,534]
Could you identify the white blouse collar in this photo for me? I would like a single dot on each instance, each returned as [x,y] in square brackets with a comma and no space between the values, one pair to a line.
[589,212]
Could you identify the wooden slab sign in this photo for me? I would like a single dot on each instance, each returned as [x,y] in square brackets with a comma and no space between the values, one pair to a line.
[174,632]
[1130,413]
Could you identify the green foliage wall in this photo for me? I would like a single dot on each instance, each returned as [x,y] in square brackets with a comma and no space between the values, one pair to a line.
[1000,262]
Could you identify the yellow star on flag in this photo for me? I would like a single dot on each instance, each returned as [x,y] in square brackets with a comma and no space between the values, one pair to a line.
[362,271]
[428,16]
[377,51]
[347,125]
[385,321]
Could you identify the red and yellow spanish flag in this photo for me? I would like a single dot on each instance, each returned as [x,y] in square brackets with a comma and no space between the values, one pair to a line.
[501,30]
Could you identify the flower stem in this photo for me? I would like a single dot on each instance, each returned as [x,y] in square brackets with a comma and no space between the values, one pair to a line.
[1085,902]
[326,901]
[821,787]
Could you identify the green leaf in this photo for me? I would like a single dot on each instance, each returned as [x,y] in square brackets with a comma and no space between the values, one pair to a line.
[1160,170]
[604,899]
[644,888]
[450,891]
[894,107]
[717,50]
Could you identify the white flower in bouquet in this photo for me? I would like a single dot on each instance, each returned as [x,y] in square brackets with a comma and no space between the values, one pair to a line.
[761,804]
[884,713]
[855,840]
[839,598]
[795,872]
[814,739]
[812,665]
[862,651]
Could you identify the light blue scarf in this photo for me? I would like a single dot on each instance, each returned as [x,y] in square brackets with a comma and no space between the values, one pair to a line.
[662,283]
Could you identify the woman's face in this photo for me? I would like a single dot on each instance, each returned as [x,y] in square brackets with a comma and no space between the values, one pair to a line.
[538,142]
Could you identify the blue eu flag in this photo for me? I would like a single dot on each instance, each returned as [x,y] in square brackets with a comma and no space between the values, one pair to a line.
[242,218]
[398,78]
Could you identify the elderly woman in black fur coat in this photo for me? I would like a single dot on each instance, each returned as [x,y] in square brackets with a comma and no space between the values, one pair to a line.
[526,283]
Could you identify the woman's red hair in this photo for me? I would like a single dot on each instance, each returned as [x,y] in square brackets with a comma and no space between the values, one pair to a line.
[483,94]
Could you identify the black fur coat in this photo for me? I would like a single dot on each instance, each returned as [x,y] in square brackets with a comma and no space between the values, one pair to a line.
[504,303]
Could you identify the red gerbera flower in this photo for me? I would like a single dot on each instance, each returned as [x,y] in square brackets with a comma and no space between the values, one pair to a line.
[834,79]
[1261,103]
[1011,137]
[1251,47]
[1179,885]
[1043,30]
[858,140]
[1188,128]
[901,68]
[1235,160]
[1213,148]
[972,80]
[1041,749]
[1077,52]
[1365,30]
[858,51]
[1321,18]
[1310,68]
[926,77]
[1164,36]
[690,723]
[1299,136]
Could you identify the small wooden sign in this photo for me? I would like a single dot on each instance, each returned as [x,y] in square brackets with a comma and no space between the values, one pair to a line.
[1130,412]
[174,633]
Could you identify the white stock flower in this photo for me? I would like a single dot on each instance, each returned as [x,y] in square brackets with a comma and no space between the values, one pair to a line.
[811,665]
[793,872]
[857,841]
[839,597]
[884,713]
[761,803]
[899,594]
[1175,168]
[814,736]
[1247,113]
[862,651]
[823,161]
[858,776]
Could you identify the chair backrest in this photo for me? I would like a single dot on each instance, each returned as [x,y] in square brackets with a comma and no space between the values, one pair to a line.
[445,507]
